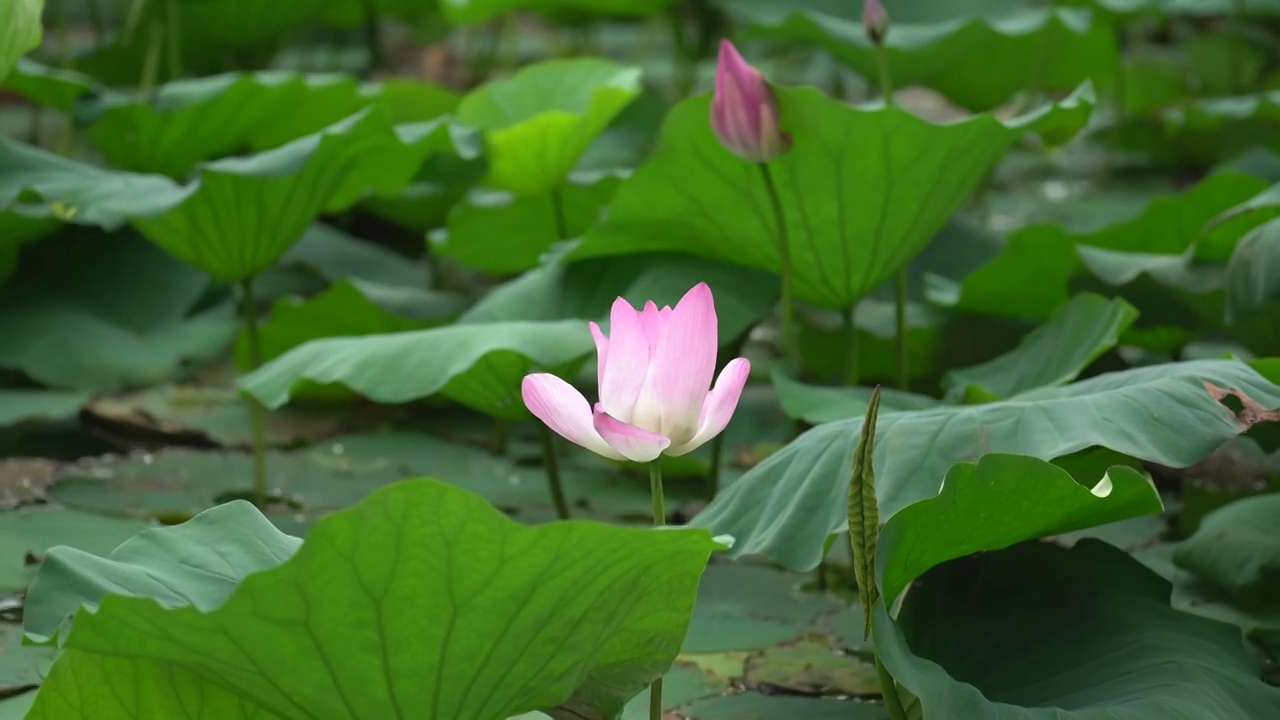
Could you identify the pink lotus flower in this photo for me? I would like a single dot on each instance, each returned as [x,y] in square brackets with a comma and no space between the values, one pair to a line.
[744,115]
[655,372]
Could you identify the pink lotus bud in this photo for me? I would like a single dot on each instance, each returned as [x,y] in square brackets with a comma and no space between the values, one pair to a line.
[744,114]
[876,20]
[655,373]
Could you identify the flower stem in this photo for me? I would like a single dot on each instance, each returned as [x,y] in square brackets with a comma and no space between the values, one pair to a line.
[553,472]
[557,213]
[889,692]
[850,366]
[685,67]
[900,282]
[713,473]
[784,255]
[257,413]
[174,43]
[659,518]
[373,35]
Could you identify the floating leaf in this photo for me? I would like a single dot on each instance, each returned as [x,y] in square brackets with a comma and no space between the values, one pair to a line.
[19,406]
[375,590]
[540,121]
[863,190]
[1078,634]
[1032,498]
[1052,354]
[787,505]
[479,365]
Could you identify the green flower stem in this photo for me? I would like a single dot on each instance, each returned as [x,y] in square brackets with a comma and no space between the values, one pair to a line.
[659,518]
[96,22]
[900,283]
[151,61]
[889,692]
[498,436]
[1235,59]
[557,213]
[373,34]
[552,464]
[784,255]
[683,61]
[713,472]
[174,41]
[850,366]
[257,413]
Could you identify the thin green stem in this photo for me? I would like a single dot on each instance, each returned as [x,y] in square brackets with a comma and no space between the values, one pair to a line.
[889,692]
[655,490]
[713,472]
[257,413]
[850,370]
[62,28]
[96,22]
[900,281]
[174,43]
[900,306]
[1235,57]
[659,518]
[552,465]
[784,255]
[684,66]
[151,61]
[498,437]
[557,213]
[373,34]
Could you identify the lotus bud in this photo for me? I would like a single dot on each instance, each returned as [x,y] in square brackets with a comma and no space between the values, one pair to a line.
[876,20]
[744,114]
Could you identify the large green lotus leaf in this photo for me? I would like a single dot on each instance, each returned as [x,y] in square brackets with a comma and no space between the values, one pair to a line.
[188,121]
[1205,131]
[197,563]
[379,614]
[49,86]
[540,121]
[41,185]
[24,405]
[817,404]
[1167,227]
[1253,275]
[479,365]
[20,31]
[1236,548]
[101,312]
[586,289]
[393,282]
[340,311]
[1053,354]
[241,214]
[475,12]
[502,233]
[786,506]
[1086,633]
[978,63]
[1034,498]
[863,190]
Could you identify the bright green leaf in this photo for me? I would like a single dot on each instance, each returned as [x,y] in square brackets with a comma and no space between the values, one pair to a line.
[1040,631]
[787,505]
[19,31]
[502,233]
[241,214]
[540,121]
[863,190]
[379,614]
[1032,499]
[479,365]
